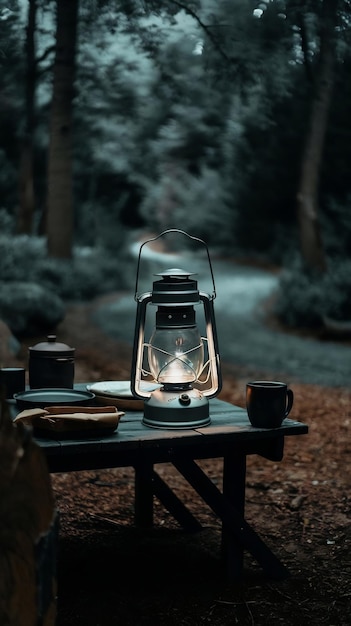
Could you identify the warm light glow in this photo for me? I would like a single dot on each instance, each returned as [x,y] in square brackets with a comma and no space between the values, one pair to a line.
[176,356]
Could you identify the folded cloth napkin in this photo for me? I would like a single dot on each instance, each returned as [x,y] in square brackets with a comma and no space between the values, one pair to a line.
[71,418]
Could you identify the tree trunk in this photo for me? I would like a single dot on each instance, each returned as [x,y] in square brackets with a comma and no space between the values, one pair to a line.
[307,198]
[26,175]
[59,223]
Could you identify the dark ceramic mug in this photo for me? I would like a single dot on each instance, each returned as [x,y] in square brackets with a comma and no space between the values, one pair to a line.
[268,403]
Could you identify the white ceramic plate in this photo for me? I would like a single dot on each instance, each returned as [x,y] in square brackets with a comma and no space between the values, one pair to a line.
[119,388]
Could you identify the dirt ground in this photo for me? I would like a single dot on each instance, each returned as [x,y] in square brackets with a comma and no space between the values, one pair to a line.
[109,573]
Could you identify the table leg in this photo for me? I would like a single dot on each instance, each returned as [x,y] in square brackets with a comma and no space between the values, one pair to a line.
[233,521]
[147,484]
[234,480]
[144,494]
[175,506]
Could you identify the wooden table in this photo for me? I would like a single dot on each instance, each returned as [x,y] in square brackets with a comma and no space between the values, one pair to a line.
[229,436]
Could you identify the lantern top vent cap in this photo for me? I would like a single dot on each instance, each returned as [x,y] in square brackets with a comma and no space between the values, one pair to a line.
[175,272]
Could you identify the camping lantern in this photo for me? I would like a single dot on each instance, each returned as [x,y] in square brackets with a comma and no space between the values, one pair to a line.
[183,364]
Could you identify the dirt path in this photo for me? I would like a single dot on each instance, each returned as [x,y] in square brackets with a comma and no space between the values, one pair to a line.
[248,337]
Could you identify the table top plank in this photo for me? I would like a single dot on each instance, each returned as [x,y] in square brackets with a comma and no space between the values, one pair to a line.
[229,428]
[228,422]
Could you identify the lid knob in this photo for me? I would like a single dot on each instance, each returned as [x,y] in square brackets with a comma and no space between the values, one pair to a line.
[51,347]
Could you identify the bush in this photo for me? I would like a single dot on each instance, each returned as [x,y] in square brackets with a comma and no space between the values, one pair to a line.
[305,298]
[20,256]
[28,309]
[91,272]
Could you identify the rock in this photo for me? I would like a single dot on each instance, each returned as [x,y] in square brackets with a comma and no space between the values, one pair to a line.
[297,502]
[30,309]
[9,346]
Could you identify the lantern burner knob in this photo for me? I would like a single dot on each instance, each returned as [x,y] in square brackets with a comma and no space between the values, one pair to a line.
[184,398]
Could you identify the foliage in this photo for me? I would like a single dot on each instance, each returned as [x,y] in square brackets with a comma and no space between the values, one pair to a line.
[188,114]
[15,255]
[127,101]
[90,273]
[196,203]
[304,299]
[29,309]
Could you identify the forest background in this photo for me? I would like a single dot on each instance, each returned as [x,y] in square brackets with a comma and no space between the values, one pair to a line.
[226,118]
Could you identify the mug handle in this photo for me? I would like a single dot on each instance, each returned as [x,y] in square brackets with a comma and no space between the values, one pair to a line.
[290,398]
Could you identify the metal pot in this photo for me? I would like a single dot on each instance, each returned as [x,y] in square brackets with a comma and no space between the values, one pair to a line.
[51,365]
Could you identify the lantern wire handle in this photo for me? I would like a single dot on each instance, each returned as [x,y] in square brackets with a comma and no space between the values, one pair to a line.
[165,232]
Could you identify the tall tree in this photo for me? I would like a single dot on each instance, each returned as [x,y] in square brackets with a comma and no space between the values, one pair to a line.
[60,218]
[322,85]
[26,177]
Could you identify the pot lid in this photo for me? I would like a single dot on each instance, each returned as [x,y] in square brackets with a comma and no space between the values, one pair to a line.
[51,347]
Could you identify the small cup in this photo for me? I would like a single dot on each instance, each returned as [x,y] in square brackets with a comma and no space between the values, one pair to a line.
[268,403]
[12,380]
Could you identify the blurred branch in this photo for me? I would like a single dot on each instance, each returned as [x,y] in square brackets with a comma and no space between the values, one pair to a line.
[205,28]
[45,54]
[39,60]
